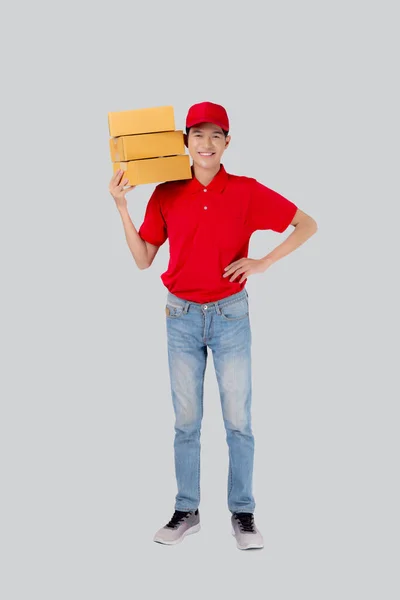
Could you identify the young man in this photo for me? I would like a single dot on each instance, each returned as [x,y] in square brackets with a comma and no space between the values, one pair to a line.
[209,220]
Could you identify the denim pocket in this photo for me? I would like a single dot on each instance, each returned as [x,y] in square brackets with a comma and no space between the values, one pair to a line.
[172,311]
[235,310]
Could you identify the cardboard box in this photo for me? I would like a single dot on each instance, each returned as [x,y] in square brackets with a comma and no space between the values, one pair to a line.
[142,120]
[150,145]
[155,170]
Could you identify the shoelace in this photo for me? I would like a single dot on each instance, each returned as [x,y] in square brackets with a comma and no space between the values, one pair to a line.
[246,521]
[177,517]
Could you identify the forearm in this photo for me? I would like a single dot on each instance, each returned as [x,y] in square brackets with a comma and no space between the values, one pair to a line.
[136,245]
[299,235]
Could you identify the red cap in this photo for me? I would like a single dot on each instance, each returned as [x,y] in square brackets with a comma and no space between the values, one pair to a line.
[207,112]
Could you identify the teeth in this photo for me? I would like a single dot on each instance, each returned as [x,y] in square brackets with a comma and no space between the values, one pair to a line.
[206,153]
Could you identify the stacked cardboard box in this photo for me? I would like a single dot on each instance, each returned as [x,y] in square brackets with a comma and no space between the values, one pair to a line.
[145,145]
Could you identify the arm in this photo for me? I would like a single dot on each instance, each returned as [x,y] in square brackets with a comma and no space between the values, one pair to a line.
[304,227]
[143,252]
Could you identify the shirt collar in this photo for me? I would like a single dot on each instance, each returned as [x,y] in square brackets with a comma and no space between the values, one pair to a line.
[217,184]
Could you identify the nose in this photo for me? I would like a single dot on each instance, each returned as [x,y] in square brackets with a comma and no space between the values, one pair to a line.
[208,144]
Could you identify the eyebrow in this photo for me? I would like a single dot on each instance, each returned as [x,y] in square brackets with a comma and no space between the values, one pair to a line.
[201,131]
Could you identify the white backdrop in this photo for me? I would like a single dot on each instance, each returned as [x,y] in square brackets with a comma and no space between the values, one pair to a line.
[86,439]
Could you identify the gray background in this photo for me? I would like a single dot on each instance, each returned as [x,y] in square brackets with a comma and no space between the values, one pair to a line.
[87,470]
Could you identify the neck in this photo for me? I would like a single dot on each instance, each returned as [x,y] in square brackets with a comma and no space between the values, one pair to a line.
[205,176]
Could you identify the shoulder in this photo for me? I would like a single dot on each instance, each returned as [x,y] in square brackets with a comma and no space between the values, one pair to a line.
[162,192]
[172,186]
[244,180]
[169,188]
[252,184]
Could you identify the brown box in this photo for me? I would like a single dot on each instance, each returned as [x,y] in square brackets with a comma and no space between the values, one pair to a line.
[148,145]
[141,120]
[155,170]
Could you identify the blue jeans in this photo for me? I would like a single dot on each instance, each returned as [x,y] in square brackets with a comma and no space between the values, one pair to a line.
[223,326]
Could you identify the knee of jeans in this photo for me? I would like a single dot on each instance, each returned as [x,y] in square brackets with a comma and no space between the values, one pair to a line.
[238,424]
[188,428]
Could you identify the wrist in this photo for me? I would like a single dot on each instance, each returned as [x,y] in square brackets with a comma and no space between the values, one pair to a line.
[267,261]
[123,210]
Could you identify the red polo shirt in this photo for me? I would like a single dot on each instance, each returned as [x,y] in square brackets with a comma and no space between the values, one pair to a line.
[209,227]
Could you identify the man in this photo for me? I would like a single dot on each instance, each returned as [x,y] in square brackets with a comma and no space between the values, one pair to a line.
[209,220]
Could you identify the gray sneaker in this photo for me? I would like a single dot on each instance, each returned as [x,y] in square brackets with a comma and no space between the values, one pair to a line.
[182,523]
[245,531]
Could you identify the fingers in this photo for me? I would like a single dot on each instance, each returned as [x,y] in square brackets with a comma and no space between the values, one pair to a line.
[235,273]
[116,179]
[117,175]
[116,184]
[119,186]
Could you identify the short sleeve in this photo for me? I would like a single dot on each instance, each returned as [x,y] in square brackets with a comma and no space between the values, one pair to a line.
[154,228]
[268,209]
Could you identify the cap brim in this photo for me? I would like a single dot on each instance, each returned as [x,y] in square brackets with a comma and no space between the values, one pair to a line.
[222,125]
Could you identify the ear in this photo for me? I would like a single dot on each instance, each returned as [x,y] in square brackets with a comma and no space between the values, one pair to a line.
[185,139]
[227,141]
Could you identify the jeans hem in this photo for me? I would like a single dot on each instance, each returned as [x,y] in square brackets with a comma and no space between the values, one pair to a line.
[241,509]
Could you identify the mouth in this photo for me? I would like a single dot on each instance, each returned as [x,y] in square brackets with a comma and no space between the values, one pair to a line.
[206,154]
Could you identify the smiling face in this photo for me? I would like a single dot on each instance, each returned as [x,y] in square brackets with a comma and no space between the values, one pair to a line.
[206,143]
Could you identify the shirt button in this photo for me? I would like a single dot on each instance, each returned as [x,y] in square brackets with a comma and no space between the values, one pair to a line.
[204,190]
[205,208]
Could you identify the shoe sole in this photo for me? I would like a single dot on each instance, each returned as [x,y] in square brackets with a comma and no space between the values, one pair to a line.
[189,531]
[249,547]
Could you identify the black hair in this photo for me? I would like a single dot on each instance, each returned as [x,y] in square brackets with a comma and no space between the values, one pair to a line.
[225,132]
